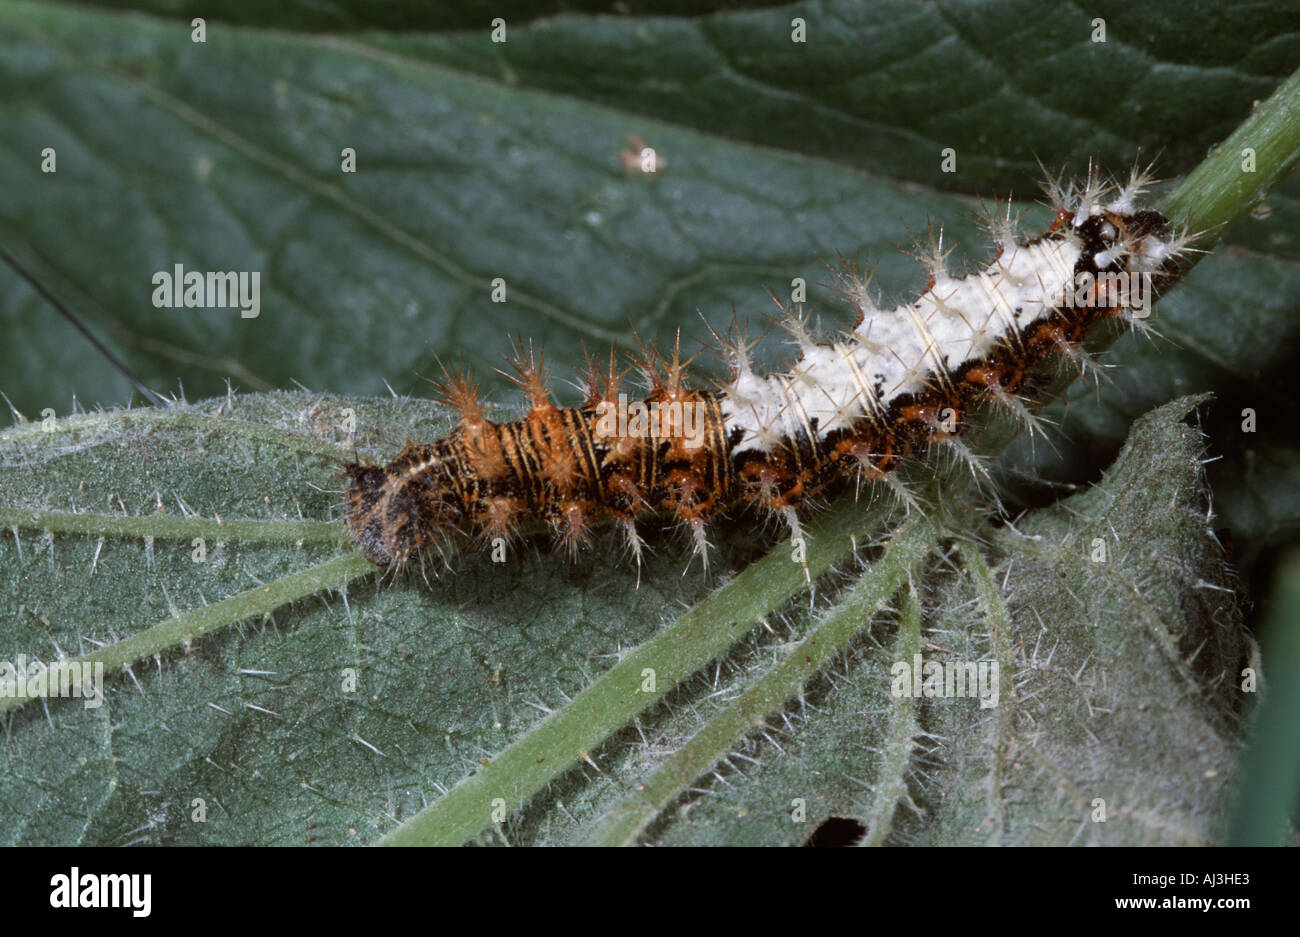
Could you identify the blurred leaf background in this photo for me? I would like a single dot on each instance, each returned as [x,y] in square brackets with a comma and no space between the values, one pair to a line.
[478,160]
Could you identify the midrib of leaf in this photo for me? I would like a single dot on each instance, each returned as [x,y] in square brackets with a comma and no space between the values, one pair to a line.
[126,419]
[890,788]
[166,526]
[175,632]
[999,626]
[628,819]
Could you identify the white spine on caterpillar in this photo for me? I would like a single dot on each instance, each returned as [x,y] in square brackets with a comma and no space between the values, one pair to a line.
[897,351]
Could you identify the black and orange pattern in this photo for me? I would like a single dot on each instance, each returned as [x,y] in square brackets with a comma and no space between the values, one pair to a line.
[561,466]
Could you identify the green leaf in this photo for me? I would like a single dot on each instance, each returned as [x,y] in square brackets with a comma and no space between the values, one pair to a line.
[1097,700]
[479,161]
[1265,804]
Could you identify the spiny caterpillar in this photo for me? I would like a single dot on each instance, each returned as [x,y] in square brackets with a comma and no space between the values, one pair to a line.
[900,382]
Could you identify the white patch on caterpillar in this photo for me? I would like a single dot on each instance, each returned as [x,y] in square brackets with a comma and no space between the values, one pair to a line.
[898,351]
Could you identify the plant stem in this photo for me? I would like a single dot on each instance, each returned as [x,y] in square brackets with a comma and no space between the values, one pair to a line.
[1240,171]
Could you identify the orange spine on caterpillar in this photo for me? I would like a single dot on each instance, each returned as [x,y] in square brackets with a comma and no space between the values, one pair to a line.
[897,384]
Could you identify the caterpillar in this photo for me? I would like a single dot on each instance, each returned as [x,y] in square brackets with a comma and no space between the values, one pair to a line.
[895,386]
